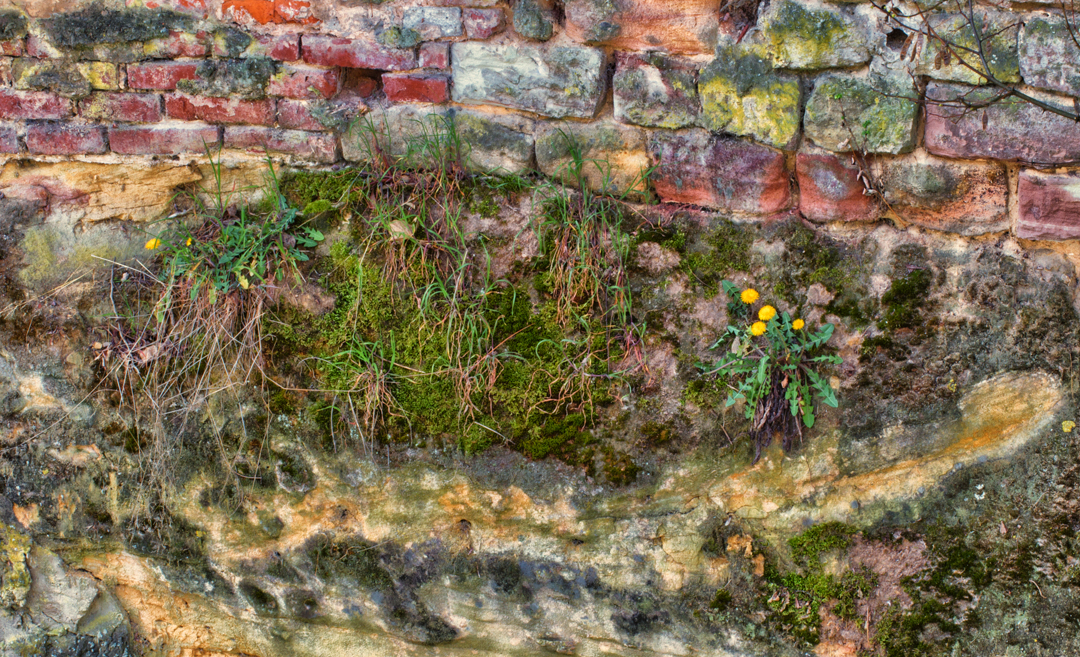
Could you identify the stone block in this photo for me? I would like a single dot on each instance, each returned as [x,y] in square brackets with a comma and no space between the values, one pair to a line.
[742,95]
[805,35]
[830,189]
[735,175]
[17,105]
[314,147]
[219,110]
[607,157]
[656,90]
[230,78]
[162,139]
[1010,129]
[1049,56]
[866,114]
[9,140]
[160,75]
[954,197]
[355,53]
[65,139]
[532,20]
[483,23]
[555,81]
[433,23]
[1049,206]
[1000,49]
[416,87]
[298,81]
[496,144]
[126,107]
[435,55]
[681,27]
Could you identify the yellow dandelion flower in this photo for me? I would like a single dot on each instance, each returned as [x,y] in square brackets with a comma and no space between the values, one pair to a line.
[757,328]
[798,324]
[153,244]
[749,295]
[766,313]
[188,242]
[1067,426]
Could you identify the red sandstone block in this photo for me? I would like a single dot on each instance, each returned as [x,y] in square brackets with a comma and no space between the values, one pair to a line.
[110,106]
[830,190]
[305,82]
[13,47]
[435,55]
[65,139]
[160,75]
[416,88]
[219,110]
[162,140]
[1049,206]
[9,140]
[306,145]
[15,104]
[483,23]
[356,53]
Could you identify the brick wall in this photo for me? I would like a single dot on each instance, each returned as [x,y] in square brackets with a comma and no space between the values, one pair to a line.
[833,111]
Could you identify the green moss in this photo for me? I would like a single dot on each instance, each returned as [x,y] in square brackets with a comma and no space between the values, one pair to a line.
[724,250]
[808,546]
[353,560]
[399,37]
[904,299]
[721,601]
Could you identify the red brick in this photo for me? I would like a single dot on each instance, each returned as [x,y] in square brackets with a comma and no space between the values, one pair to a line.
[111,106]
[830,190]
[65,139]
[219,110]
[282,47]
[306,145]
[1049,206]
[416,88]
[355,53]
[269,11]
[9,140]
[320,114]
[483,23]
[434,55]
[33,105]
[160,75]
[162,140]
[305,82]
[178,44]
[13,47]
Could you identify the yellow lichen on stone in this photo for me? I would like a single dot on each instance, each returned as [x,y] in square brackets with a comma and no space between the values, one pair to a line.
[14,574]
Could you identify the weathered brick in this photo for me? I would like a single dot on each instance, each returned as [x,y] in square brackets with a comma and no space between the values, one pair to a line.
[304,82]
[230,78]
[65,139]
[483,23]
[9,140]
[5,72]
[1049,206]
[416,87]
[318,115]
[13,47]
[830,189]
[435,55]
[65,77]
[735,175]
[178,44]
[38,48]
[219,110]
[316,147]
[1049,55]
[957,197]
[433,22]
[299,115]
[356,53]
[15,104]
[162,139]
[282,47]
[656,90]
[269,11]
[1010,129]
[160,75]
[124,107]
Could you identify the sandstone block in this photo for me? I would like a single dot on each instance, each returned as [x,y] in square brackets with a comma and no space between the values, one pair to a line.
[162,140]
[160,75]
[496,144]
[9,140]
[219,110]
[556,81]
[1049,206]
[531,20]
[416,87]
[433,22]
[483,23]
[1049,56]
[999,49]
[830,189]
[17,105]
[310,146]
[1009,129]
[656,90]
[230,78]
[955,197]
[298,81]
[65,139]
[677,26]
[872,115]
[356,53]
[695,167]
[741,94]
[128,107]
[607,157]
[435,55]
[801,35]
